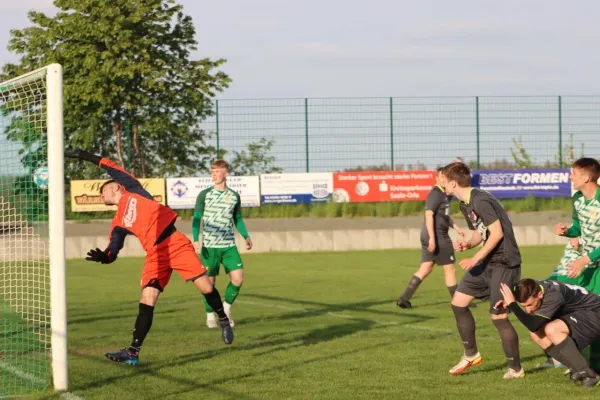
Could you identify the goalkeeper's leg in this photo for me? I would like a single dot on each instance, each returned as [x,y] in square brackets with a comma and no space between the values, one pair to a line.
[143,322]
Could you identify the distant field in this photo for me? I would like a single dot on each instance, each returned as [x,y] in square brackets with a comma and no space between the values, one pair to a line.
[309,326]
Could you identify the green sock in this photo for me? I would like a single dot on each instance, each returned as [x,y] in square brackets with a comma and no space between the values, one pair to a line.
[231,293]
[207,307]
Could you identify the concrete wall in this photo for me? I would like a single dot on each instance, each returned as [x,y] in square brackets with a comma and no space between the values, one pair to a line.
[324,234]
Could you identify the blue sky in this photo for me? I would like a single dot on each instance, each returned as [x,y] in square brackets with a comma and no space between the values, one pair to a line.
[335,48]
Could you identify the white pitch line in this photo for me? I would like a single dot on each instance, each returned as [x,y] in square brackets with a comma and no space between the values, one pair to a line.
[31,378]
[71,396]
[21,374]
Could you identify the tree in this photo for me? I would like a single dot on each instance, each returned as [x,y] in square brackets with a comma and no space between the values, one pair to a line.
[130,87]
[255,160]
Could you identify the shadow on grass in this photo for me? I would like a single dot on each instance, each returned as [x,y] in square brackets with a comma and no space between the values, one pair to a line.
[189,385]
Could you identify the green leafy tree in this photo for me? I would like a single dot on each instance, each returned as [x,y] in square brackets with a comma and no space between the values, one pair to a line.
[255,160]
[131,89]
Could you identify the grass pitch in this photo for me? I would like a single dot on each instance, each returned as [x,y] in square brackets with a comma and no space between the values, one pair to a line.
[308,326]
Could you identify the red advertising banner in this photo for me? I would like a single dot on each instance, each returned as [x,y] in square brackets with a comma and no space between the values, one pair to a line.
[376,186]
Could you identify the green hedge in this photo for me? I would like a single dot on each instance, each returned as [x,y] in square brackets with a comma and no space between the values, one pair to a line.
[353,210]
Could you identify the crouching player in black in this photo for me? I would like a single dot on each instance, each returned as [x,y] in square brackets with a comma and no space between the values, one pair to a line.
[562,319]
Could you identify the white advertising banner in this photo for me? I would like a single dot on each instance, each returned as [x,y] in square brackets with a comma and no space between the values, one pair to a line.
[182,192]
[296,188]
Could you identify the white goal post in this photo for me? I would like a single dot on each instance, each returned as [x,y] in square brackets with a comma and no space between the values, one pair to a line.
[32,244]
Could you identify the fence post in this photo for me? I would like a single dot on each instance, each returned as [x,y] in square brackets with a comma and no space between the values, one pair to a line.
[217,125]
[477,131]
[392,134]
[560,145]
[306,133]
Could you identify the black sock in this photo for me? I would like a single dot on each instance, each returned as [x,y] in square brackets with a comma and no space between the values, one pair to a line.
[568,351]
[466,329]
[510,342]
[553,352]
[214,300]
[452,289]
[143,323]
[413,284]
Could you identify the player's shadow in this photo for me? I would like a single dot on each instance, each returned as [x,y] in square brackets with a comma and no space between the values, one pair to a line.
[125,314]
[188,385]
[322,309]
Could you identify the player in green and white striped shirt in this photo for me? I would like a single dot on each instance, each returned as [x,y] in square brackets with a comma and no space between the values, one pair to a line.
[581,259]
[219,208]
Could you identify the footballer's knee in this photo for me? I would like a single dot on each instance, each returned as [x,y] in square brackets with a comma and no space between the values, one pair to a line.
[204,285]
[237,278]
[556,330]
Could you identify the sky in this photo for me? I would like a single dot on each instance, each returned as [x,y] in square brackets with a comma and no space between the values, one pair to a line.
[330,49]
[351,48]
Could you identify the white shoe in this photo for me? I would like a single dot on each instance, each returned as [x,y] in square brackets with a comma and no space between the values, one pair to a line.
[512,374]
[211,321]
[465,363]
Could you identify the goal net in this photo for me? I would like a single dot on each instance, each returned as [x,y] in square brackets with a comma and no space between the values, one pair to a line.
[32,256]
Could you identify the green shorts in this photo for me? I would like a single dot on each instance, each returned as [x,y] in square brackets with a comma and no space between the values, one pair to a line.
[213,257]
[589,279]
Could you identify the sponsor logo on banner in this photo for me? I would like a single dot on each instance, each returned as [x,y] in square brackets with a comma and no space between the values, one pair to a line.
[296,188]
[85,194]
[380,186]
[520,183]
[182,192]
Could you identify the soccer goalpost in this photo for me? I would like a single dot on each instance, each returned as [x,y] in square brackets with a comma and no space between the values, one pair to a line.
[33,327]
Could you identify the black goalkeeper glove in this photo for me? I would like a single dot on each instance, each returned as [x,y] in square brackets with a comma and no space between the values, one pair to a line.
[98,256]
[82,155]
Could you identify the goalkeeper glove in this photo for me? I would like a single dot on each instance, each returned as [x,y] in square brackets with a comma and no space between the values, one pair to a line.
[83,155]
[98,256]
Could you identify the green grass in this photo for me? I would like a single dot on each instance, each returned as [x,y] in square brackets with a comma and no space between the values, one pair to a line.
[353,210]
[309,326]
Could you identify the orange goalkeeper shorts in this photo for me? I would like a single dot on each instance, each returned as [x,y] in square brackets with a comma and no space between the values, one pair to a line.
[174,253]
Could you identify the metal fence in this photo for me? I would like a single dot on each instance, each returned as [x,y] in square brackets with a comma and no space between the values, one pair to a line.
[336,134]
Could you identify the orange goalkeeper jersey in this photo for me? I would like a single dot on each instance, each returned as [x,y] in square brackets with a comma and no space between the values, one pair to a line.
[137,214]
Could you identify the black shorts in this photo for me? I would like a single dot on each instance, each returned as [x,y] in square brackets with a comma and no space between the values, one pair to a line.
[484,280]
[584,326]
[443,254]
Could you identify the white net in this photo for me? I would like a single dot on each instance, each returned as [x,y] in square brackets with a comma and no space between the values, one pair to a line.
[24,248]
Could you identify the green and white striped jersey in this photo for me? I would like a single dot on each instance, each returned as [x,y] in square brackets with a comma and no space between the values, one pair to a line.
[585,226]
[219,210]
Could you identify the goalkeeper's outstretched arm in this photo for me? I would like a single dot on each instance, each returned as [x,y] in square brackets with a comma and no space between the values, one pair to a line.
[117,173]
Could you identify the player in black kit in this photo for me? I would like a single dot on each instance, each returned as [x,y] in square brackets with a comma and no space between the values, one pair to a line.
[562,319]
[497,261]
[436,244]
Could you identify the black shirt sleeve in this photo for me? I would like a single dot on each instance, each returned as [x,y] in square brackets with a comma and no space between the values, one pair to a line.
[531,321]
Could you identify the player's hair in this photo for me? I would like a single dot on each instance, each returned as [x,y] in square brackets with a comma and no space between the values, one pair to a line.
[590,166]
[220,164]
[525,289]
[104,184]
[458,172]
[439,169]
